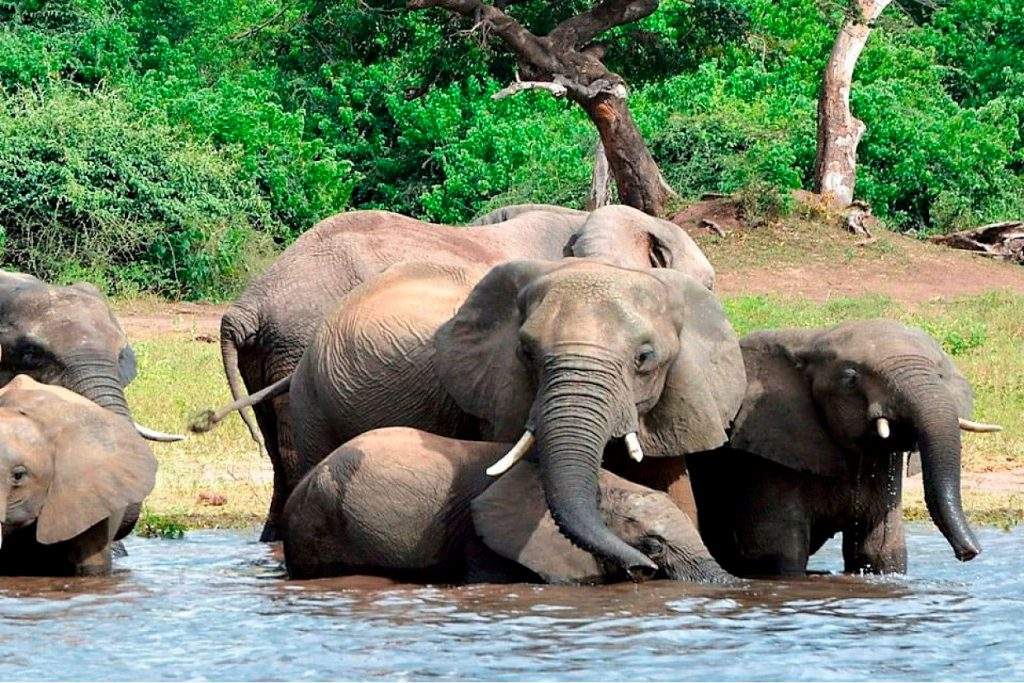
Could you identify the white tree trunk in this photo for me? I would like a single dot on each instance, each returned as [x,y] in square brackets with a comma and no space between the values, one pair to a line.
[600,179]
[839,131]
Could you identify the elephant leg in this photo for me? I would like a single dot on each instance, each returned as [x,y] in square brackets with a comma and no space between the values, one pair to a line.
[752,514]
[876,548]
[267,419]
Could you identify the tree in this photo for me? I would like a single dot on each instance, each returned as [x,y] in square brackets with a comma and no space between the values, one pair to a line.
[568,62]
[839,131]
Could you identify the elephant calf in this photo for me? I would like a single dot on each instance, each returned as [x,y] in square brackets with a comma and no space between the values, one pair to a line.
[818,447]
[69,470]
[405,502]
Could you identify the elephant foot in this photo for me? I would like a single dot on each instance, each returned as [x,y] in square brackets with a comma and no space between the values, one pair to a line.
[117,549]
[270,533]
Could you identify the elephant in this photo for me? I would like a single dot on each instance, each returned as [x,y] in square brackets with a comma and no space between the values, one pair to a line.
[69,473]
[818,447]
[444,519]
[576,354]
[68,336]
[264,333]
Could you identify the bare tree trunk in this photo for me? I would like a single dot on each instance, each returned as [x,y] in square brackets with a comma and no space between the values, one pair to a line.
[637,176]
[839,131]
[567,62]
[599,189]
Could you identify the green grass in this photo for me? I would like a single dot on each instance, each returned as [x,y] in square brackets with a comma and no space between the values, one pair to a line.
[179,375]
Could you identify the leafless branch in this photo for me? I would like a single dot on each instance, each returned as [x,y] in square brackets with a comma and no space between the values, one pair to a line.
[556,89]
[583,28]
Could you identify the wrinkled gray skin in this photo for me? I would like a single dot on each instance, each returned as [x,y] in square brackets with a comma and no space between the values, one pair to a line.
[435,524]
[69,472]
[266,330]
[66,336]
[580,352]
[806,461]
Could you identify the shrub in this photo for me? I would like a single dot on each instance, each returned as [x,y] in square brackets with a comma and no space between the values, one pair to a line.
[91,187]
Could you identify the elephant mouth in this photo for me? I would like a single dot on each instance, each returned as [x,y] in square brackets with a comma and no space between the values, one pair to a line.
[524,446]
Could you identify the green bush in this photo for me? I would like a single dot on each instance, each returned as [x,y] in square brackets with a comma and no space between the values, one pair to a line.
[90,187]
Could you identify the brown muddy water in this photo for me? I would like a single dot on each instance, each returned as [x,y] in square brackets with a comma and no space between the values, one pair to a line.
[214,606]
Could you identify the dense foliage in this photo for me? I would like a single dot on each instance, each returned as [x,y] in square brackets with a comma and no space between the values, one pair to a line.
[160,145]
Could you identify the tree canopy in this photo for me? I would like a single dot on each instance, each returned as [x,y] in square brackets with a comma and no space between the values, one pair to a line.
[159,145]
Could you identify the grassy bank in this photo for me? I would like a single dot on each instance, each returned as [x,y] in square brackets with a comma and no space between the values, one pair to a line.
[181,373]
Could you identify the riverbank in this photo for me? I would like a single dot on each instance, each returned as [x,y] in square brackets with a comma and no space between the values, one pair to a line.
[791,275]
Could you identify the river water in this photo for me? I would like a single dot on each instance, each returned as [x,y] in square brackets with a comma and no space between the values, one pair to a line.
[214,606]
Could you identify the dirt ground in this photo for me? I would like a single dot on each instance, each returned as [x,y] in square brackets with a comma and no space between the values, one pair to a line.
[149,319]
[930,272]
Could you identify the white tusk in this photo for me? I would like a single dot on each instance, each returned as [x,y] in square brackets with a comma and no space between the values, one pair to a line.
[971,426]
[517,453]
[633,447]
[883,428]
[153,435]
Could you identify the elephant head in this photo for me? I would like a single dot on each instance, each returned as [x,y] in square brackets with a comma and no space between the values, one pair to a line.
[66,464]
[628,237]
[512,520]
[819,399]
[67,336]
[583,354]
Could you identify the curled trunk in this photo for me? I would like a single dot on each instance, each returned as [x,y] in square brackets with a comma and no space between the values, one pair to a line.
[578,413]
[933,412]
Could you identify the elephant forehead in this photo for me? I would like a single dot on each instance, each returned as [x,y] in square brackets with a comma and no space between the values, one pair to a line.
[869,342]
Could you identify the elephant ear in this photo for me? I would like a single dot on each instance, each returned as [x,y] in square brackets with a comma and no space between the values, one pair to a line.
[476,351]
[100,466]
[705,384]
[512,519]
[779,420]
[627,237]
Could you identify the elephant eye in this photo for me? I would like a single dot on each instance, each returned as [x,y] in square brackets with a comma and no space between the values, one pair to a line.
[525,351]
[653,546]
[848,378]
[645,358]
[18,475]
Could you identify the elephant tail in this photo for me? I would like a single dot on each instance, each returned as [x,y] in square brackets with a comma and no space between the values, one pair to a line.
[229,355]
[208,419]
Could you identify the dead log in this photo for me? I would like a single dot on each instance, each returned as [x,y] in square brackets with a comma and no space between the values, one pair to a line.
[1004,241]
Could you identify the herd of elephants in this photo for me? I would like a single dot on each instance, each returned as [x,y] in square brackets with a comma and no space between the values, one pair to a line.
[547,395]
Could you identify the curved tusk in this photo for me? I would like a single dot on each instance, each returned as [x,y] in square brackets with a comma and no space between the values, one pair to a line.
[517,453]
[153,435]
[981,427]
[883,428]
[633,447]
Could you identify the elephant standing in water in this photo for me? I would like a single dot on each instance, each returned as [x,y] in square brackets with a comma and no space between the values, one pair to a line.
[445,519]
[818,448]
[584,355]
[70,472]
[266,330]
[68,336]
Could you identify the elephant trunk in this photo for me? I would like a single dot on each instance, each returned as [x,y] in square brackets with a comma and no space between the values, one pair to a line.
[579,408]
[99,380]
[933,412]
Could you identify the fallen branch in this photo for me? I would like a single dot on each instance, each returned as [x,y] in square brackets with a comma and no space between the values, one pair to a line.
[556,89]
[1004,240]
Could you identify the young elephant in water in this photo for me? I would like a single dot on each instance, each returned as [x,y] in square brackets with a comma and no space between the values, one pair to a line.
[405,502]
[68,471]
[818,449]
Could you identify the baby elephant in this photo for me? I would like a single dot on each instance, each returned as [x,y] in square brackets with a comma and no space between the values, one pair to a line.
[68,471]
[818,449]
[407,503]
